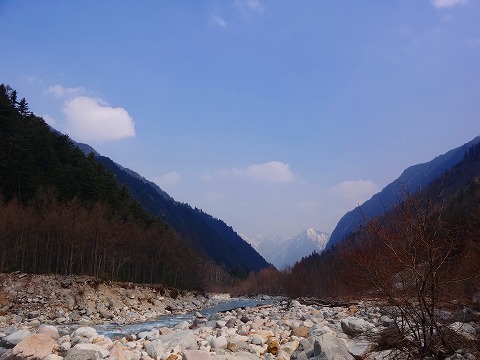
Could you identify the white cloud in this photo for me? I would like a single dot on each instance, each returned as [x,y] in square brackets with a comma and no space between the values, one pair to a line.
[89,119]
[218,21]
[356,191]
[250,5]
[170,178]
[49,120]
[271,172]
[59,91]
[447,3]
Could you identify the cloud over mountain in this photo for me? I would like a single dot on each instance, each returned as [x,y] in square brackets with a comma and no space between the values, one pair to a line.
[91,119]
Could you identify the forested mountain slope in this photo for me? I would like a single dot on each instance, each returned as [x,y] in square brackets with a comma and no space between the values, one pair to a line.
[448,214]
[63,212]
[207,234]
[412,179]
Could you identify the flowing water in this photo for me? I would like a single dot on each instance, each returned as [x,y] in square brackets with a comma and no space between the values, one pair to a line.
[113,330]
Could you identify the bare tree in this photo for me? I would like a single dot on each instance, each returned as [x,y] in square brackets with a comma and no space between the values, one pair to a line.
[417,257]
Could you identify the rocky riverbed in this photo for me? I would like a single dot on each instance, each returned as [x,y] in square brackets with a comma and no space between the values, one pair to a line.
[284,329]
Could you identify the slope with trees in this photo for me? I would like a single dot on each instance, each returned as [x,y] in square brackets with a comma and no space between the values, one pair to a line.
[63,212]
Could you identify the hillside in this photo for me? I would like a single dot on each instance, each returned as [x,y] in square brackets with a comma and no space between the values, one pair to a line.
[412,179]
[64,213]
[211,236]
[448,214]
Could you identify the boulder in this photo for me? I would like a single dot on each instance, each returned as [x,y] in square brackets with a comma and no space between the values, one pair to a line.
[330,347]
[195,355]
[86,332]
[120,352]
[154,349]
[183,325]
[50,331]
[70,302]
[13,339]
[301,331]
[464,329]
[353,326]
[76,354]
[219,342]
[91,351]
[273,347]
[290,347]
[359,349]
[37,346]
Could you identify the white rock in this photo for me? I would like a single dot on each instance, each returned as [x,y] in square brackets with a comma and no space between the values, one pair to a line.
[219,343]
[354,326]
[85,331]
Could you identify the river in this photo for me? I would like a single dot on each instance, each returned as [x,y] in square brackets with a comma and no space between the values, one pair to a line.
[114,330]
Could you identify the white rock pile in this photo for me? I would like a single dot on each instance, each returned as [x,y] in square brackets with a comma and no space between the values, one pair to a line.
[283,330]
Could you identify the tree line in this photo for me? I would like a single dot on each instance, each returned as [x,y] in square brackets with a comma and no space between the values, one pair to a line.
[62,212]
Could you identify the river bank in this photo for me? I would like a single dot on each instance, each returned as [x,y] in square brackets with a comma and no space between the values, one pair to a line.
[31,300]
[33,326]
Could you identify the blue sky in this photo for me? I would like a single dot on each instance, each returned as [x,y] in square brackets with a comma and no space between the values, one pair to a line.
[271,115]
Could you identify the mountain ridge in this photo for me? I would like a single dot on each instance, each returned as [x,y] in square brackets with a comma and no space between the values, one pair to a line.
[285,252]
[412,179]
[207,234]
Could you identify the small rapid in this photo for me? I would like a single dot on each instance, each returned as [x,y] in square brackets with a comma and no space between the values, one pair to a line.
[115,330]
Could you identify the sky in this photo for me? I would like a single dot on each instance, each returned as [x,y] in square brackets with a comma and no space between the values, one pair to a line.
[272,115]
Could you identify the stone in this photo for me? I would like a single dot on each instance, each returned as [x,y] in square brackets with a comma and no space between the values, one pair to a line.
[359,349]
[354,326]
[195,355]
[49,330]
[273,347]
[37,346]
[220,324]
[290,347]
[13,339]
[70,302]
[120,352]
[301,331]
[257,339]
[53,357]
[86,332]
[87,347]
[85,322]
[219,342]
[106,314]
[329,347]
[232,346]
[183,325]
[77,354]
[352,310]
[464,329]
[154,349]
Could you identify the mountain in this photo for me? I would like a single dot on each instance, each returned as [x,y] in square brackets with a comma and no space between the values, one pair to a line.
[268,244]
[209,235]
[62,212]
[282,253]
[300,246]
[412,179]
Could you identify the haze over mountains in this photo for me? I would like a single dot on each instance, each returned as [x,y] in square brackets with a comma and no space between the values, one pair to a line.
[207,234]
[285,252]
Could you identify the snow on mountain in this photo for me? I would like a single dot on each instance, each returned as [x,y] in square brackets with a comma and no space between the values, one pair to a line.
[267,244]
[282,253]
